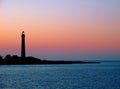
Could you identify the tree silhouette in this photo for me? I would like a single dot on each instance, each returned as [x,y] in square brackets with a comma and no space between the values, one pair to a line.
[1,57]
[14,57]
[8,56]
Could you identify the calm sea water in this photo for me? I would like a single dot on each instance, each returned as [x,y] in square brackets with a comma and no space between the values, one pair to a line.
[74,76]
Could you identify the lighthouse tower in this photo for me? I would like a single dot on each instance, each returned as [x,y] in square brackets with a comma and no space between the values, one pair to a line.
[23,45]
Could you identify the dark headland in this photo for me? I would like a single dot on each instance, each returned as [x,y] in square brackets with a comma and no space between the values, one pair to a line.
[15,60]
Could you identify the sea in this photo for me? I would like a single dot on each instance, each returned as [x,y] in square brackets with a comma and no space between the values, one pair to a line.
[105,75]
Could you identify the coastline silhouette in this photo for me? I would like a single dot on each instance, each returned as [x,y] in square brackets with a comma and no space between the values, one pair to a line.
[16,60]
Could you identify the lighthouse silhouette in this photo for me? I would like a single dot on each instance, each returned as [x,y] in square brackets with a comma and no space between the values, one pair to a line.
[23,45]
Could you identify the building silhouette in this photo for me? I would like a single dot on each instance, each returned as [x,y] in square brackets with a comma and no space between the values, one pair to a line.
[23,45]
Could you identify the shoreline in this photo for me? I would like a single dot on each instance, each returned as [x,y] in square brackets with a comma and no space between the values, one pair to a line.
[36,61]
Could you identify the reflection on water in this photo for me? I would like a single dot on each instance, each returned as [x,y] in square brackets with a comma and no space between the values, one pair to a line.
[74,76]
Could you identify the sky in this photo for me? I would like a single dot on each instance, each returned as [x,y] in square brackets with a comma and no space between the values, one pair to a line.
[61,29]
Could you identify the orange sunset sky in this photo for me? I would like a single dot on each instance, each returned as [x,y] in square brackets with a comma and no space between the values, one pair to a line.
[58,29]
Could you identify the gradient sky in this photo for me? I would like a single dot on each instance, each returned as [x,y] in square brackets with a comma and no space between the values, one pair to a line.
[55,29]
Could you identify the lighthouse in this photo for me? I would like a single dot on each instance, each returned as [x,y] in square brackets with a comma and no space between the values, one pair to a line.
[23,45]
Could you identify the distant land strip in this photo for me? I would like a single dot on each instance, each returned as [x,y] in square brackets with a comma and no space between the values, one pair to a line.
[15,60]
